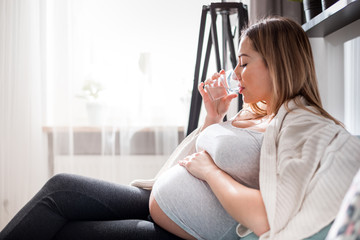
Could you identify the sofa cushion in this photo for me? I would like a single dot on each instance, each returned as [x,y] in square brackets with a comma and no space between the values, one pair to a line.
[318,236]
[347,222]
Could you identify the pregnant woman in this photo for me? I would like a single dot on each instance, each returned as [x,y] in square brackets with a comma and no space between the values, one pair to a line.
[279,168]
[186,205]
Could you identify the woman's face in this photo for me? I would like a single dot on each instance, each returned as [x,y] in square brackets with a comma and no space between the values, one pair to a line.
[253,75]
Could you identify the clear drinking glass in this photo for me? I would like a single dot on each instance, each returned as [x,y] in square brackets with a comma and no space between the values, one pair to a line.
[226,84]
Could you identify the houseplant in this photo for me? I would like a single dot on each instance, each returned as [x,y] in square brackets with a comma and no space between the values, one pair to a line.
[96,109]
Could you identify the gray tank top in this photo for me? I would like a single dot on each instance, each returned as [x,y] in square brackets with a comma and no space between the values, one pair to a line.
[190,203]
[235,150]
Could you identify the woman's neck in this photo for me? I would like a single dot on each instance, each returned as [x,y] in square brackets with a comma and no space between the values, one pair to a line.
[257,123]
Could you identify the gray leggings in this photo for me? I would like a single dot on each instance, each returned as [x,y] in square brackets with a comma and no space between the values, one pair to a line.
[76,207]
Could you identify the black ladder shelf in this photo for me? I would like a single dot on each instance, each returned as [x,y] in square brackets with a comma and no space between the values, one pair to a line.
[225,9]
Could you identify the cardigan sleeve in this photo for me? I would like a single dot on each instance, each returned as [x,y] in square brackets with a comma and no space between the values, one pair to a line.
[313,168]
[185,148]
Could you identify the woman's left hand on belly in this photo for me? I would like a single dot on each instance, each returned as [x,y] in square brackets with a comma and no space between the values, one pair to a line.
[199,164]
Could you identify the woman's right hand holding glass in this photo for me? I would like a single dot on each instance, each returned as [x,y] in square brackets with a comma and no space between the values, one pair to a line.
[217,109]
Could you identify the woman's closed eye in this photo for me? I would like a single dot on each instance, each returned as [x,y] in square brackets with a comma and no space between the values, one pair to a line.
[243,65]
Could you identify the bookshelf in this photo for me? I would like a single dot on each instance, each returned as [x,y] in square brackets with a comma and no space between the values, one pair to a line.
[334,18]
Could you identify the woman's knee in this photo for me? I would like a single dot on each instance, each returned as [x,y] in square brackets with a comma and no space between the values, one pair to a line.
[59,181]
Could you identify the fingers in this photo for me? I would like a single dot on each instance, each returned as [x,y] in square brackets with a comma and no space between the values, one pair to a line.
[211,81]
[184,162]
[208,81]
[217,75]
[188,159]
[201,90]
[227,100]
[231,96]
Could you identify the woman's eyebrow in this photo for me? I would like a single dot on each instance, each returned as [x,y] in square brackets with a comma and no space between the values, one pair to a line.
[243,55]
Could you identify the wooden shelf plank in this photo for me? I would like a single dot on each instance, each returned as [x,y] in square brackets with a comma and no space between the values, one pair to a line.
[332,19]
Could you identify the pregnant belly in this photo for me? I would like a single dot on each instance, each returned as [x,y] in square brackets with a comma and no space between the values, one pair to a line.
[180,202]
[161,219]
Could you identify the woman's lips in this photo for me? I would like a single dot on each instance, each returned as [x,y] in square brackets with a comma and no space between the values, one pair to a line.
[241,89]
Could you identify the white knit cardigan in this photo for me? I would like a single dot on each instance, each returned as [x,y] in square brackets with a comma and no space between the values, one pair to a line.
[307,164]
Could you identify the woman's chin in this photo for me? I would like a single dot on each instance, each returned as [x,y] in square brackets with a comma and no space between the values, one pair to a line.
[248,100]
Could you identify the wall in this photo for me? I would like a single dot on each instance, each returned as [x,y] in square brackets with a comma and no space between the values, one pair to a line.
[337,62]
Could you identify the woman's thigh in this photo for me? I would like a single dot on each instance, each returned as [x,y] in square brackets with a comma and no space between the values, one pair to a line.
[66,198]
[114,230]
[82,198]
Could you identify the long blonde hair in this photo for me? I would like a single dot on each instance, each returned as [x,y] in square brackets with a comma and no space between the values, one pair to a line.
[287,53]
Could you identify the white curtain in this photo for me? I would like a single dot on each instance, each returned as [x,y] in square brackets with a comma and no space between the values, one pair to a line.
[118,84]
[23,163]
[141,55]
